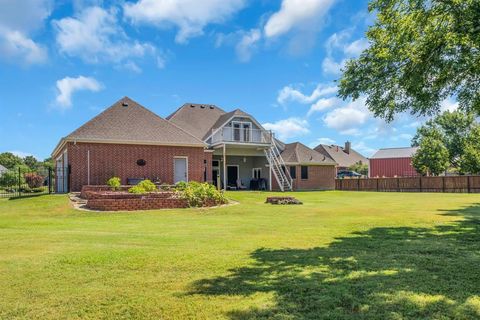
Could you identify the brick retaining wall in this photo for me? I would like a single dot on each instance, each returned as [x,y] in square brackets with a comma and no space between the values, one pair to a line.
[145,202]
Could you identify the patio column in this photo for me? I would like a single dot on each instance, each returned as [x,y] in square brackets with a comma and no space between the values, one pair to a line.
[270,177]
[224,168]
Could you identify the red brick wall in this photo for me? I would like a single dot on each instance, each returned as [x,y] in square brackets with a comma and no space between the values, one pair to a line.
[319,178]
[139,203]
[108,160]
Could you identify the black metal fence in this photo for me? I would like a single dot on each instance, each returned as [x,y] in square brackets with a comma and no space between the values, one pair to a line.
[20,182]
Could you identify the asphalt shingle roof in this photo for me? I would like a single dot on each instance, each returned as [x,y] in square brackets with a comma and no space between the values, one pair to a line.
[198,119]
[129,122]
[299,153]
[389,153]
[341,157]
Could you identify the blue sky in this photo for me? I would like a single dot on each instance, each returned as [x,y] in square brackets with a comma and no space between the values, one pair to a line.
[63,62]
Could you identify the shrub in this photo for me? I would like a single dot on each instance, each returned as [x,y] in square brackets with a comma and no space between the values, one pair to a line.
[181,185]
[10,179]
[34,180]
[197,194]
[148,186]
[143,187]
[114,183]
[136,189]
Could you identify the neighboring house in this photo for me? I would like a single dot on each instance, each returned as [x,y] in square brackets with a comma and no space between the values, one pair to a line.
[393,162]
[2,169]
[343,156]
[197,142]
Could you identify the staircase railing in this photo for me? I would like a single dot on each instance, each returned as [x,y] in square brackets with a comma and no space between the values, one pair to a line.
[278,167]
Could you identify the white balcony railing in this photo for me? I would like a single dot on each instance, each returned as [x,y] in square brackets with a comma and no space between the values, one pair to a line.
[241,135]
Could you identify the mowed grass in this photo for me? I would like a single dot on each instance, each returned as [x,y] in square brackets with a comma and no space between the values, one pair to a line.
[341,255]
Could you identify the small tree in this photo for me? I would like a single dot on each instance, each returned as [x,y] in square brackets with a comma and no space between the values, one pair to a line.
[431,157]
[360,167]
[470,158]
[34,180]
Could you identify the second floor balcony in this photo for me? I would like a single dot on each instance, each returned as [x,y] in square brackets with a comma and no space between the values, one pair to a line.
[242,135]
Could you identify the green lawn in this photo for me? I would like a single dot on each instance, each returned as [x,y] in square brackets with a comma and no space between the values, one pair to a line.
[341,255]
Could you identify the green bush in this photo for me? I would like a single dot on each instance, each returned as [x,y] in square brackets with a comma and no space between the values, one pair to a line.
[136,190]
[197,194]
[10,179]
[114,183]
[143,187]
[181,185]
[148,186]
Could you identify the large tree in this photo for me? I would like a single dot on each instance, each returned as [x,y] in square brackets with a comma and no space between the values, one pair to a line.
[431,157]
[469,161]
[454,129]
[9,160]
[421,52]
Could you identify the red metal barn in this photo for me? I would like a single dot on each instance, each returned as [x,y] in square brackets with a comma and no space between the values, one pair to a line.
[393,162]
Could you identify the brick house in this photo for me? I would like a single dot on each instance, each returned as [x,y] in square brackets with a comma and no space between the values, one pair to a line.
[196,143]
[345,156]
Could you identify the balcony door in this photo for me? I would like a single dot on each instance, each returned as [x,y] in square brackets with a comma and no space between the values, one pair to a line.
[242,131]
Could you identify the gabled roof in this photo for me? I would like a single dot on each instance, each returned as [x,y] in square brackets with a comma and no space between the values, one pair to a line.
[341,157]
[128,122]
[298,153]
[198,119]
[389,153]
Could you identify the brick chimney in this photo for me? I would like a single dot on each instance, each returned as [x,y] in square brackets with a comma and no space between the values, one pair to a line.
[348,146]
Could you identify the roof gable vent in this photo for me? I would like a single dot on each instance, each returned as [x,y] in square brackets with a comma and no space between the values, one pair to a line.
[125,104]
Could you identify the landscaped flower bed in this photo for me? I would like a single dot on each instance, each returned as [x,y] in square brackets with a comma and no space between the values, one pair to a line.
[127,198]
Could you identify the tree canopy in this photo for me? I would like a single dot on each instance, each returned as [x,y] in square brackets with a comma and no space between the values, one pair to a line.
[432,157]
[421,52]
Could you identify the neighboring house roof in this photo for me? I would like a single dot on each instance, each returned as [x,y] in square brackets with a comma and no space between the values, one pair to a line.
[389,153]
[340,155]
[198,119]
[3,169]
[298,153]
[126,121]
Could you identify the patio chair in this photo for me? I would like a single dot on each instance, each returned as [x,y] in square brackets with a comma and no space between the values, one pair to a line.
[240,185]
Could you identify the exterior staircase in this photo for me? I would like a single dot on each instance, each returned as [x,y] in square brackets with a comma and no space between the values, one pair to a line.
[275,161]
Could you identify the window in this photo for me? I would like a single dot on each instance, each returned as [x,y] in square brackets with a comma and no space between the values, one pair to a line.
[236,131]
[141,162]
[293,172]
[304,172]
[256,173]
[215,163]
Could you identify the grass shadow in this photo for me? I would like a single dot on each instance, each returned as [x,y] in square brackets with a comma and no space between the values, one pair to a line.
[33,195]
[383,273]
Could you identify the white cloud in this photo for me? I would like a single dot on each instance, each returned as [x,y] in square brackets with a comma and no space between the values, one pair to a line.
[289,93]
[330,66]
[349,118]
[449,105]
[324,104]
[22,154]
[68,86]
[356,47]
[327,141]
[303,15]
[18,20]
[95,36]
[338,42]
[288,128]
[363,148]
[190,16]
[247,44]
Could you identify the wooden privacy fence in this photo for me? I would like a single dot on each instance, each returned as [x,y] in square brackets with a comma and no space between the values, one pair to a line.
[459,184]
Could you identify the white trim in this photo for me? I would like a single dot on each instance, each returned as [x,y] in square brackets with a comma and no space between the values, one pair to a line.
[230,119]
[238,172]
[186,166]
[88,167]
[253,172]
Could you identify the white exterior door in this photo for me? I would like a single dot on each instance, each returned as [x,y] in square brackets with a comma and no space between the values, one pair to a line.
[180,169]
